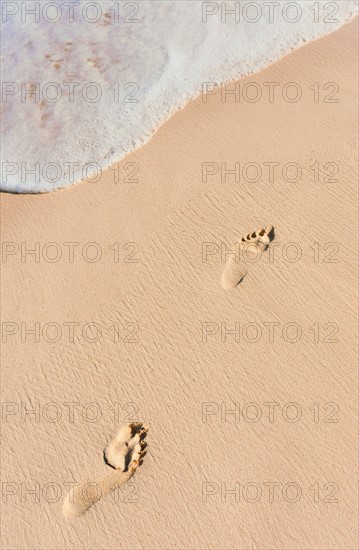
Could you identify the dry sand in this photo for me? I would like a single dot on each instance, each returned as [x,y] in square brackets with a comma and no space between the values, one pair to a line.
[168,374]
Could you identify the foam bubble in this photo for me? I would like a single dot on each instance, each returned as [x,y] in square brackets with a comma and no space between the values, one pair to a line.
[103,76]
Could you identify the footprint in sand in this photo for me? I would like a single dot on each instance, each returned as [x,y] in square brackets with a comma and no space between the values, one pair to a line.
[124,454]
[118,453]
[235,269]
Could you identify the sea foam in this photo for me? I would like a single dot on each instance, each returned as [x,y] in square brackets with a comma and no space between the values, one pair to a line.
[85,83]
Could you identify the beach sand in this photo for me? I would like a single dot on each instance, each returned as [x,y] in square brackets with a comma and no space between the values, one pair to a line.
[165,356]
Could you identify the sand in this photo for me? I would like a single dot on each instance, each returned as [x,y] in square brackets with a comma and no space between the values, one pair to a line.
[279,350]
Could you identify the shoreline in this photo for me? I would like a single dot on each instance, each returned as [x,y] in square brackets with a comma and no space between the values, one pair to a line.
[102,171]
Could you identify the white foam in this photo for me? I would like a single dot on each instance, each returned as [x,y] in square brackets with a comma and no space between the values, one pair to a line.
[166,48]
